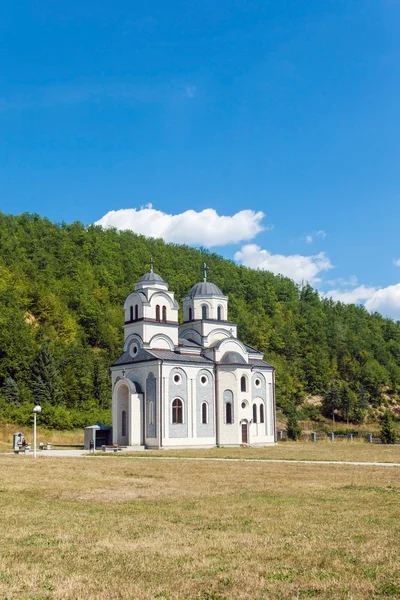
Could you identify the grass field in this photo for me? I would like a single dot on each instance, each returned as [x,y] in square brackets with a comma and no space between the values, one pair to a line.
[357,451]
[113,528]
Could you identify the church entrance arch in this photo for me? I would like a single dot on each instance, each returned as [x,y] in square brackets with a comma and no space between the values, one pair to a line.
[123,415]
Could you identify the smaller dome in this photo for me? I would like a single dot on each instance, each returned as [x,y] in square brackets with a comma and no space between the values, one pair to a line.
[205,288]
[232,358]
[151,278]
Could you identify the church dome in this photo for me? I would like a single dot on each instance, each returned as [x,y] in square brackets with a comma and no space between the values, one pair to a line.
[232,358]
[151,278]
[205,288]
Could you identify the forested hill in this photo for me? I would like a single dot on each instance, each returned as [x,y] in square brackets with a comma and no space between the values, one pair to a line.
[62,289]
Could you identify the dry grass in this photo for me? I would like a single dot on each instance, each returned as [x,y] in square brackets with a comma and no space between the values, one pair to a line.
[43,435]
[323,450]
[95,528]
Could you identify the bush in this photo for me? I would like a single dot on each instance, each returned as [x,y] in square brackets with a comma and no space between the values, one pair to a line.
[388,433]
[293,427]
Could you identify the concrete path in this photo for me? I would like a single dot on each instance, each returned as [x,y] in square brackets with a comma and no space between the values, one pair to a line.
[80,453]
[263,460]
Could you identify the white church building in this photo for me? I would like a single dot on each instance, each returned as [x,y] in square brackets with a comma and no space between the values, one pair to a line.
[189,385]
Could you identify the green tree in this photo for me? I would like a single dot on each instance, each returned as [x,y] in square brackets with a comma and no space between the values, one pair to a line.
[292,426]
[331,401]
[347,401]
[11,391]
[362,404]
[46,383]
[387,433]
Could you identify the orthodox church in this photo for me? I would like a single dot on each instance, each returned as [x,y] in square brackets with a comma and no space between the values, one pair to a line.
[189,385]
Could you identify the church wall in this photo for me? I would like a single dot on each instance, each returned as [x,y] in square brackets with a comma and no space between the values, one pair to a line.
[178,390]
[151,397]
[263,433]
[205,393]
[227,382]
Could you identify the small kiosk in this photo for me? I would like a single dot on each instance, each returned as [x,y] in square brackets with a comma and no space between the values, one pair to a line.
[99,434]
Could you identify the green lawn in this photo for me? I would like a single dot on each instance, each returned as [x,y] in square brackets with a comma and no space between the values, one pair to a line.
[143,529]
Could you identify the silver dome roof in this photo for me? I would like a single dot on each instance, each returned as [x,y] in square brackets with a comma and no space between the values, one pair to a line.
[151,278]
[205,288]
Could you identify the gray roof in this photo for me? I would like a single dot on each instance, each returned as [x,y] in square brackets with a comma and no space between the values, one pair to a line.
[176,357]
[260,363]
[205,288]
[232,358]
[151,278]
[169,355]
[189,343]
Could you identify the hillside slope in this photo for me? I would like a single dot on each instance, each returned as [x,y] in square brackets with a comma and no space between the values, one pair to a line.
[62,289]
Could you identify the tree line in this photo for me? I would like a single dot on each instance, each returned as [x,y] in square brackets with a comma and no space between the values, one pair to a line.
[62,289]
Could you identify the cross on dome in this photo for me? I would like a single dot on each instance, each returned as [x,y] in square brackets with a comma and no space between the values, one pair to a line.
[205,269]
[151,265]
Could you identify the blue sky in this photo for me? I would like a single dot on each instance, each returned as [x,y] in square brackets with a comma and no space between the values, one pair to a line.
[286,108]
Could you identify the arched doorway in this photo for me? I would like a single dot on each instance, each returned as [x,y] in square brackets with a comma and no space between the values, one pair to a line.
[123,415]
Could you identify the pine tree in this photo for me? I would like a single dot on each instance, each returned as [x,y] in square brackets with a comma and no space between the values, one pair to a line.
[11,391]
[362,404]
[388,433]
[346,399]
[46,384]
[331,402]
[292,426]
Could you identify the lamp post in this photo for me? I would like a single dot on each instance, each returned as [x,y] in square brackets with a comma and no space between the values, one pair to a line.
[36,411]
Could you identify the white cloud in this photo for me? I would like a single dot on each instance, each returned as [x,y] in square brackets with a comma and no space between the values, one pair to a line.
[357,295]
[309,238]
[351,282]
[191,91]
[296,267]
[386,301]
[205,228]
[396,262]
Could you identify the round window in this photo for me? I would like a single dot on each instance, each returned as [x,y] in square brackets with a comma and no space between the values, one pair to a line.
[134,349]
[244,404]
[177,378]
[203,380]
[257,382]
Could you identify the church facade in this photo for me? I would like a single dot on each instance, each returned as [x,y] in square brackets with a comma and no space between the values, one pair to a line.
[189,385]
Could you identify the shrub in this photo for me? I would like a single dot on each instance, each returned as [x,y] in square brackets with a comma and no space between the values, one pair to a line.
[388,433]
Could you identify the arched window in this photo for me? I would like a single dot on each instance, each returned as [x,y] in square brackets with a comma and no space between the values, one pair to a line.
[190,314]
[151,412]
[204,413]
[131,313]
[254,413]
[219,313]
[164,314]
[123,423]
[243,382]
[158,318]
[136,312]
[228,413]
[204,312]
[177,411]
[261,413]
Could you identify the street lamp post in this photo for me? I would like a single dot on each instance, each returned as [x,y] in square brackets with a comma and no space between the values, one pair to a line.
[36,411]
